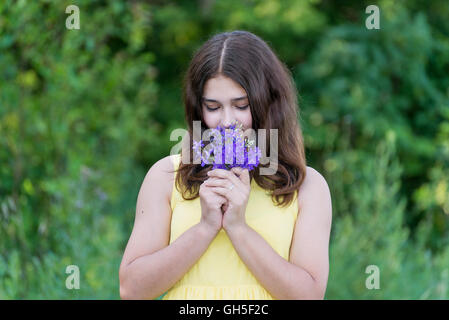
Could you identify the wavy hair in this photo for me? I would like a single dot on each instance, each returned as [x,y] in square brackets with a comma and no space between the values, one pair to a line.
[249,61]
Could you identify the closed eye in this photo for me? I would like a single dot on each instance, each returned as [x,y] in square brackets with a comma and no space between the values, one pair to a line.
[240,108]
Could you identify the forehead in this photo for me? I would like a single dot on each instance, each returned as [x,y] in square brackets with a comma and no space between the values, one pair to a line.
[222,89]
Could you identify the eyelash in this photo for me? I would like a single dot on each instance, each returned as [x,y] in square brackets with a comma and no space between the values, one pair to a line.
[241,108]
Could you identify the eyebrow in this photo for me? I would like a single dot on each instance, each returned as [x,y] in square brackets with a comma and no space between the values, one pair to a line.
[233,100]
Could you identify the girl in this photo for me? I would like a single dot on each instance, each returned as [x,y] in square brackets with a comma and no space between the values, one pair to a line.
[232,234]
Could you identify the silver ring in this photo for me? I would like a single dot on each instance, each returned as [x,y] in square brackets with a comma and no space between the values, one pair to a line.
[231,187]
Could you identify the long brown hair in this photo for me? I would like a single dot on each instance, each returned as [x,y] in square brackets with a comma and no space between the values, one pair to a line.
[249,61]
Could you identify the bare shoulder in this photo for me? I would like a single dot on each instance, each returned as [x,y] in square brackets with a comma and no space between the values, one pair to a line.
[160,176]
[313,179]
[151,231]
[310,242]
[315,192]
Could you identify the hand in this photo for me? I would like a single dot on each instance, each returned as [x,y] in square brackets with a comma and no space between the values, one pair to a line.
[211,207]
[235,186]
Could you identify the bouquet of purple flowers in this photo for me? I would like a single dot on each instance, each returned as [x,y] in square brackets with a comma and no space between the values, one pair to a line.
[236,149]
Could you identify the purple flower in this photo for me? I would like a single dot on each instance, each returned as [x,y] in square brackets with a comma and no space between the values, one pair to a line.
[236,150]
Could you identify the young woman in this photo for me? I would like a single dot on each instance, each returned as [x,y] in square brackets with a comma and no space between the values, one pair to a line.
[232,234]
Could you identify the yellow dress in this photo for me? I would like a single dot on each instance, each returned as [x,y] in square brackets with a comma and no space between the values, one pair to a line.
[220,273]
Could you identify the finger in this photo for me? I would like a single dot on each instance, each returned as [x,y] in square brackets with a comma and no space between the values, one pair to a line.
[237,171]
[246,178]
[218,182]
[212,181]
[220,197]
[225,174]
[242,174]
[221,191]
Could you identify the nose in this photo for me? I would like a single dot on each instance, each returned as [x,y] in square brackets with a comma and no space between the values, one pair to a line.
[228,118]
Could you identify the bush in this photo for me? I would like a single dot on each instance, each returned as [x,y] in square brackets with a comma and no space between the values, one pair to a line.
[85,113]
[372,231]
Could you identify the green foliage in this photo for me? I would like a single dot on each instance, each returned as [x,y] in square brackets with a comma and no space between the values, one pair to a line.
[85,113]
[359,84]
[74,113]
[375,234]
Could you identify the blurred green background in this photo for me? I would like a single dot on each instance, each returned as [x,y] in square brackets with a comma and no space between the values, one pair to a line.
[85,113]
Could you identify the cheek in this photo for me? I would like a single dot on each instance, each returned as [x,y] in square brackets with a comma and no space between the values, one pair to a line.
[247,119]
[211,120]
